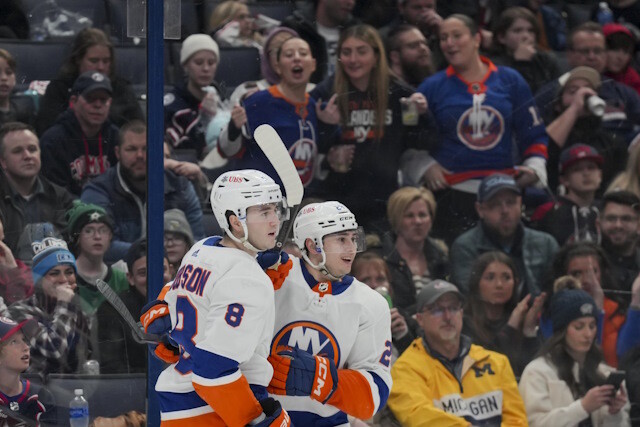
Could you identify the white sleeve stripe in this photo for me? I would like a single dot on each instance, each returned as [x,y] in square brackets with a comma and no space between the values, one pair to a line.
[210,382]
[185,413]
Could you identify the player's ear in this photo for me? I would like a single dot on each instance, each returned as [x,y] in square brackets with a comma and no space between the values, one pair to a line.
[235,225]
[310,246]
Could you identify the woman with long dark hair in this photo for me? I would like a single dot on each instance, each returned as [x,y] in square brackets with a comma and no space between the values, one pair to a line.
[91,50]
[493,316]
[565,385]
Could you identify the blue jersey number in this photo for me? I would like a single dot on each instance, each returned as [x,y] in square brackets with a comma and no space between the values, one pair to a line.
[234,314]
[385,359]
[186,328]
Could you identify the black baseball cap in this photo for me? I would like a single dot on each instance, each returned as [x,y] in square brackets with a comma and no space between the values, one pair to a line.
[491,184]
[90,81]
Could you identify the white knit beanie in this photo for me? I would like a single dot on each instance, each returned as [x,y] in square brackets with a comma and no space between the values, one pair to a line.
[196,42]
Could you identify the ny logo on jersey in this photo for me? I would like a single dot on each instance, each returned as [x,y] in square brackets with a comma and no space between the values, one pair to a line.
[310,337]
[481,126]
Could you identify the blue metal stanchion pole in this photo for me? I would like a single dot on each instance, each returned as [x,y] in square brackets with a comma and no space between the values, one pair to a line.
[155,178]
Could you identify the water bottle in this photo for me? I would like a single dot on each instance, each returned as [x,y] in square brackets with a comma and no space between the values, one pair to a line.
[604,15]
[78,410]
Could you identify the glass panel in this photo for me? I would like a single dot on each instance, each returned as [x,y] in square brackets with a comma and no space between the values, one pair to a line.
[54,251]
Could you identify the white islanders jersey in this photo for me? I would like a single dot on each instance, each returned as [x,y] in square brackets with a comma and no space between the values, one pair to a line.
[345,321]
[222,312]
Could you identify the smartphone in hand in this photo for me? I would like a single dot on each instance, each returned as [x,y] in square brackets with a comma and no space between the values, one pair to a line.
[615,378]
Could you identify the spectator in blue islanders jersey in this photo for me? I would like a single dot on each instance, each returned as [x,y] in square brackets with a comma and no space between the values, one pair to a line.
[486,118]
[288,108]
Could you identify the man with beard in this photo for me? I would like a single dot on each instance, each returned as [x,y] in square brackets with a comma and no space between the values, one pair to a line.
[409,54]
[121,191]
[575,123]
[620,224]
[444,379]
[422,15]
[499,207]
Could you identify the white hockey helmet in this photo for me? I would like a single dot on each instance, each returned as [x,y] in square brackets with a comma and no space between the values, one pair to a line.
[235,191]
[317,220]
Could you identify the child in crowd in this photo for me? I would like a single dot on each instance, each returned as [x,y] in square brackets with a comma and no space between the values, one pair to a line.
[91,230]
[16,393]
[572,217]
[621,45]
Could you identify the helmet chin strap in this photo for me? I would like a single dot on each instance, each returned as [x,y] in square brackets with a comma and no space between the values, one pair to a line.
[322,267]
[244,241]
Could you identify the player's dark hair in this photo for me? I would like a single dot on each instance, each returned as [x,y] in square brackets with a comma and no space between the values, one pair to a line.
[135,126]
[621,197]
[12,127]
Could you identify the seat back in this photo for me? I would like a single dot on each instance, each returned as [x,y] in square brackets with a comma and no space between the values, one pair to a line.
[36,60]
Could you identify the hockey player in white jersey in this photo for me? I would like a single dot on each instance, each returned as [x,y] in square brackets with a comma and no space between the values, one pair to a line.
[221,307]
[332,339]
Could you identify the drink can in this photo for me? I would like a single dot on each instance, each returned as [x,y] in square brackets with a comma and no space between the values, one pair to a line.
[91,367]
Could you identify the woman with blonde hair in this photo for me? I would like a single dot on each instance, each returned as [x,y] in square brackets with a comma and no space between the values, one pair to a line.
[629,180]
[231,24]
[372,134]
[413,257]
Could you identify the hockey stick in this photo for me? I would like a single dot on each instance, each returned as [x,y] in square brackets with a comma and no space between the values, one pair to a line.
[276,152]
[139,335]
